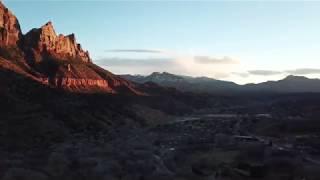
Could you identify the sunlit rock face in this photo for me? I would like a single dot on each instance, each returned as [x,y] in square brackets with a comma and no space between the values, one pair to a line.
[10,32]
[39,43]
[43,42]
[78,84]
[54,60]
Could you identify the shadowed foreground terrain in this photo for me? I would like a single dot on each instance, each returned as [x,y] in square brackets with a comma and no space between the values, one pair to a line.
[48,133]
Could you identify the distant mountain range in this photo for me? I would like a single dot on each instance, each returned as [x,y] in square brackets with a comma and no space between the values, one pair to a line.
[290,84]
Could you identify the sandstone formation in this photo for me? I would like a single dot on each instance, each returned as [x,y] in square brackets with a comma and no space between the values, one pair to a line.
[10,32]
[54,60]
[39,43]
[44,42]
[77,83]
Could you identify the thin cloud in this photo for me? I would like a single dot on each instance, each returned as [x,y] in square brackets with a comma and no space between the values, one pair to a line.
[299,71]
[257,73]
[136,51]
[114,61]
[241,74]
[124,65]
[165,60]
[221,75]
[304,71]
[264,72]
[213,60]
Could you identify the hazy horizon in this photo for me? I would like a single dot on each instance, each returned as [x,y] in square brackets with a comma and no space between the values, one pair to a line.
[243,42]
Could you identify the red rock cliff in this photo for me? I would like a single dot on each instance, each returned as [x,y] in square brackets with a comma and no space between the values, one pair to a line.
[44,42]
[10,32]
[54,60]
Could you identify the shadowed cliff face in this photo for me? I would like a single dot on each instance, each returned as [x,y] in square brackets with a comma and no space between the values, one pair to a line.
[54,60]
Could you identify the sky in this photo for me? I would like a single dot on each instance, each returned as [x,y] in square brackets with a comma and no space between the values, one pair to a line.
[240,41]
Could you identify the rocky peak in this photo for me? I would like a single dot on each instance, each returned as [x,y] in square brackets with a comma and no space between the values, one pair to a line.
[39,43]
[44,41]
[164,76]
[48,35]
[52,59]
[295,78]
[10,32]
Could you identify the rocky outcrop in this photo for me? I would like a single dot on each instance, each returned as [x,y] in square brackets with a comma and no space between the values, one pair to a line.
[76,83]
[39,43]
[82,82]
[44,42]
[54,60]
[10,32]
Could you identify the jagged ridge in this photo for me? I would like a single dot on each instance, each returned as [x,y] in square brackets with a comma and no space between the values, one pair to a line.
[44,42]
[54,60]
